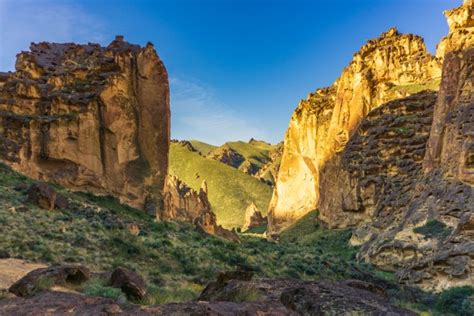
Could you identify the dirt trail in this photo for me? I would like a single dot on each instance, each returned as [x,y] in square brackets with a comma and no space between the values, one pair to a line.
[12,270]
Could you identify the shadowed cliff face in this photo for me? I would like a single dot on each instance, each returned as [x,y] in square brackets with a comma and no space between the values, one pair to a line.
[392,66]
[90,118]
[406,184]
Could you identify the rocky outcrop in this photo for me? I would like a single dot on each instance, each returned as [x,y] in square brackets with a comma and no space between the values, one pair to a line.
[253,218]
[392,66]
[227,156]
[461,29]
[183,203]
[90,118]
[46,197]
[376,174]
[408,185]
[304,297]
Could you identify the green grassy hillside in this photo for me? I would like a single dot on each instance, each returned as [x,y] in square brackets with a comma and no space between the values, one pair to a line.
[255,152]
[202,147]
[230,190]
[175,259]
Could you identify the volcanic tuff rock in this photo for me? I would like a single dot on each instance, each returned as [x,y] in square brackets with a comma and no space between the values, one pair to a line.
[90,118]
[417,223]
[461,29]
[183,203]
[407,184]
[389,67]
[253,217]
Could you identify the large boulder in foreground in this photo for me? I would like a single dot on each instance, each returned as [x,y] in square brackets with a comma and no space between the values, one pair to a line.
[131,283]
[236,297]
[90,118]
[45,278]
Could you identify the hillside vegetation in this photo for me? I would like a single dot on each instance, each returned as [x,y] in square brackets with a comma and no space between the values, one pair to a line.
[174,258]
[230,190]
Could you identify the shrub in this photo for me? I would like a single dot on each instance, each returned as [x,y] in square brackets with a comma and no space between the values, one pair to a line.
[97,287]
[433,228]
[457,300]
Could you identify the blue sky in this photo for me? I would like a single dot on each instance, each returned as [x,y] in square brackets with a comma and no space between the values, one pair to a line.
[237,68]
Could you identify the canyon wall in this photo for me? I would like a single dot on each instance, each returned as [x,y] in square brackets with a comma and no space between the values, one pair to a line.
[90,118]
[405,179]
[392,66]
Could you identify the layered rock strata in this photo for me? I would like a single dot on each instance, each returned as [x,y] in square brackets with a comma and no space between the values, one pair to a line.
[90,118]
[392,66]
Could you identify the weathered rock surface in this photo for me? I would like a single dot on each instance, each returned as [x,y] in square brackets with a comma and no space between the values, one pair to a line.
[131,283]
[227,156]
[253,218]
[236,297]
[90,118]
[376,174]
[407,184]
[36,280]
[305,297]
[46,197]
[393,66]
[183,203]
[461,29]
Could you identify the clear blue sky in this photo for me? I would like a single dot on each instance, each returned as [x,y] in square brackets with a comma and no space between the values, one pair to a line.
[237,68]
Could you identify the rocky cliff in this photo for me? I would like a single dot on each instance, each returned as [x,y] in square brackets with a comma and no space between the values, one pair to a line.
[182,202]
[406,177]
[392,66]
[185,204]
[88,117]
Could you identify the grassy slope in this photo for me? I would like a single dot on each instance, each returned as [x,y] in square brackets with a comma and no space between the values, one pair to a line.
[174,258]
[202,147]
[230,190]
[256,153]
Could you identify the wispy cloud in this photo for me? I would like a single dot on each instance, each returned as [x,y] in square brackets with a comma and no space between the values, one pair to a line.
[26,21]
[197,113]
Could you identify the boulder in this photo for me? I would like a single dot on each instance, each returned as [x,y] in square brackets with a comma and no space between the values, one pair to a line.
[131,283]
[43,195]
[45,278]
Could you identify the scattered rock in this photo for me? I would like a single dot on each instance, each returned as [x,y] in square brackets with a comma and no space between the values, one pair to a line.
[45,278]
[43,195]
[134,229]
[131,283]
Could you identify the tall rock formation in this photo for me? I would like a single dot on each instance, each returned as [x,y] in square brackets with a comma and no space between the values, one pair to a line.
[90,118]
[461,29]
[182,202]
[185,204]
[405,180]
[392,66]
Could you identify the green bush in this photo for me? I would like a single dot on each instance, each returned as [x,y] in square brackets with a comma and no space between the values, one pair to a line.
[457,301]
[433,229]
[97,287]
